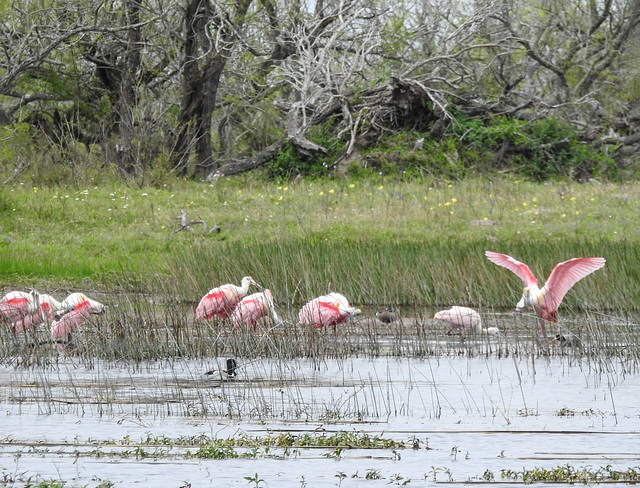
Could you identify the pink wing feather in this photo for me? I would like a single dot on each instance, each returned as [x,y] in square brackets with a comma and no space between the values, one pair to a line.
[320,313]
[14,309]
[28,322]
[563,277]
[70,320]
[248,312]
[219,301]
[520,269]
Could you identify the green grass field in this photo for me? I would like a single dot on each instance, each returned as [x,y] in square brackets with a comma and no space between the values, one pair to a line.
[376,241]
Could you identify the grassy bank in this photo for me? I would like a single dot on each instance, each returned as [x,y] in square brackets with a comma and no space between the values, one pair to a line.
[377,241]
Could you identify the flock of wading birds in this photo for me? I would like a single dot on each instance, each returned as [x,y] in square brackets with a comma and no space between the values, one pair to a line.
[24,310]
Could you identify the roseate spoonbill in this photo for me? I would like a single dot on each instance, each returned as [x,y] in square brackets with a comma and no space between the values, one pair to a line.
[386,315]
[252,308]
[225,374]
[16,305]
[48,307]
[78,307]
[222,300]
[464,319]
[331,309]
[545,301]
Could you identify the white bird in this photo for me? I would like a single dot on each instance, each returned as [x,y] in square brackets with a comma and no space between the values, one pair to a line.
[464,319]
[546,300]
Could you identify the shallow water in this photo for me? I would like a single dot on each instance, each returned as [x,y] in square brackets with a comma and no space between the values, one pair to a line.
[471,413]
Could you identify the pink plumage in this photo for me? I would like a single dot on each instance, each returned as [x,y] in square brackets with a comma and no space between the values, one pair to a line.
[462,318]
[71,320]
[79,307]
[252,308]
[221,301]
[16,305]
[546,300]
[33,319]
[327,310]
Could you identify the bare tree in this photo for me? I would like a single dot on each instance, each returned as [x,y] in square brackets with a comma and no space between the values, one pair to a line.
[211,30]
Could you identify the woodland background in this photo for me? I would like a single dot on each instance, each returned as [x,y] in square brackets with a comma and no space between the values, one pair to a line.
[146,90]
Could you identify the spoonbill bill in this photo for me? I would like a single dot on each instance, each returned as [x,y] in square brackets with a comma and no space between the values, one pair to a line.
[326,310]
[546,300]
[464,319]
[252,308]
[221,301]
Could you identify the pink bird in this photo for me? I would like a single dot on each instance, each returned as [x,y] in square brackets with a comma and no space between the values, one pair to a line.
[16,305]
[326,310]
[221,301]
[252,308]
[464,319]
[546,300]
[48,307]
[79,307]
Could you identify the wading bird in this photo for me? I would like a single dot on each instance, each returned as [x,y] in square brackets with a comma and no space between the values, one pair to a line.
[386,315]
[464,319]
[252,308]
[16,305]
[546,300]
[48,306]
[326,310]
[77,308]
[221,301]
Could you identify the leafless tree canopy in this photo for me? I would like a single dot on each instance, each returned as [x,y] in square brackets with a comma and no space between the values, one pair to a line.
[209,87]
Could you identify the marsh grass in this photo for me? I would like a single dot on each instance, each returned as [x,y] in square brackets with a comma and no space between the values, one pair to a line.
[416,246]
[138,328]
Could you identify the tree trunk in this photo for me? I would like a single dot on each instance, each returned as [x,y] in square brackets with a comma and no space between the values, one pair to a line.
[128,102]
[201,82]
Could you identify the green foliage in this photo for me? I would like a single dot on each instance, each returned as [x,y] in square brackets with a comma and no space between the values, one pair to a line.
[289,162]
[540,150]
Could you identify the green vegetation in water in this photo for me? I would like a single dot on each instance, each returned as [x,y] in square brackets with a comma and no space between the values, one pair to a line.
[571,474]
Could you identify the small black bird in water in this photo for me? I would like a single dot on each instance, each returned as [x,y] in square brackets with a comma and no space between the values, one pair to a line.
[386,315]
[226,374]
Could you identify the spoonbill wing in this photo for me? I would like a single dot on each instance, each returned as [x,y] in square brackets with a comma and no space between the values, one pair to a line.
[563,277]
[248,312]
[70,320]
[520,269]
